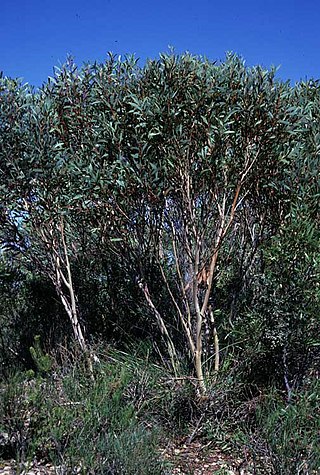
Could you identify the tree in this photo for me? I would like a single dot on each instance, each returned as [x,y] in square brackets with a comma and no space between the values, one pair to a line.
[38,200]
[177,169]
[203,160]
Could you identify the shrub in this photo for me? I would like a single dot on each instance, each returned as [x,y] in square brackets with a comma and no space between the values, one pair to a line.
[79,423]
[288,434]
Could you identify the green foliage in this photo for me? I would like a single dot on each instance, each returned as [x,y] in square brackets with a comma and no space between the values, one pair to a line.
[116,179]
[115,152]
[28,307]
[84,425]
[13,409]
[291,431]
[42,361]
[159,399]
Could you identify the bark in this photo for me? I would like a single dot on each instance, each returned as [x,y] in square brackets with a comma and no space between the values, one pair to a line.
[61,277]
[199,321]
[163,328]
[215,341]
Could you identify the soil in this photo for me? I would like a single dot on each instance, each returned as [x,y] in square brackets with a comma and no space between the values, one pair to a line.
[194,458]
[198,458]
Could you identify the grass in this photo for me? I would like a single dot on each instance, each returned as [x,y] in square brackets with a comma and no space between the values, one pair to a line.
[71,420]
[115,422]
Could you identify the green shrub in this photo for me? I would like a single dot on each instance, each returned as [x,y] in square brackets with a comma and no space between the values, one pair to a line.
[79,423]
[290,432]
[42,361]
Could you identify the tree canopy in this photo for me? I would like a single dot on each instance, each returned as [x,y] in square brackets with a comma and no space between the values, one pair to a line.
[186,188]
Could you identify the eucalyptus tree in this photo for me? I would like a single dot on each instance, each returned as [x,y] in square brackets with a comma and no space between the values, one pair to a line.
[61,169]
[40,212]
[205,153]
[174,168]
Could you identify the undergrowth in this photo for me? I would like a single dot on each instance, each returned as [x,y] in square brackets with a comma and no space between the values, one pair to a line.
[116,420]
[84,424]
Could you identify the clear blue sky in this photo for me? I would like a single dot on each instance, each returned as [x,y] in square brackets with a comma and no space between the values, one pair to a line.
[36,35]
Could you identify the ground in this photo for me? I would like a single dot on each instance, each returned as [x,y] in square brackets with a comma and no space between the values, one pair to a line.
[194,458]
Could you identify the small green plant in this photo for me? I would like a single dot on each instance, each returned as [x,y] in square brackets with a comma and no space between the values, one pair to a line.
[42,361]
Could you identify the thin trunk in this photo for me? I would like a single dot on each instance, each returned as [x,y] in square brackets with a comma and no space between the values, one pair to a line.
[162,326]
[184,322]
[61,277]
[199,321]
[216,350]
[73,317]
[215,341]
[62,280]
[73,307]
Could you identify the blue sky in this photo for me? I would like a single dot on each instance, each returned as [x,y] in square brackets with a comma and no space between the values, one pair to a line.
[36,35]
